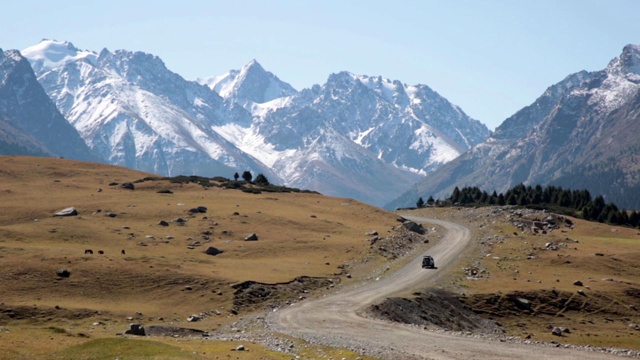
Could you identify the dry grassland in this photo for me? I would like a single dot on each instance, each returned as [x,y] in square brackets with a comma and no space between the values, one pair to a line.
[512,264]
[42,313]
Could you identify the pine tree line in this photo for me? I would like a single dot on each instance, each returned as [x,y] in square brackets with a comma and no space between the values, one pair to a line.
[576,203]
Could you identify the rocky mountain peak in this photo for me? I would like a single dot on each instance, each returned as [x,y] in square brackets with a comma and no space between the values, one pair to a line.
[27,109]
[251,83]
[628,63]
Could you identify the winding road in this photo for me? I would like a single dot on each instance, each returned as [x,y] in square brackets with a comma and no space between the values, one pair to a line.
[337,316]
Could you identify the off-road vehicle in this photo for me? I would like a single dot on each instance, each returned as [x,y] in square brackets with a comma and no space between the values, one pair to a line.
[428,263]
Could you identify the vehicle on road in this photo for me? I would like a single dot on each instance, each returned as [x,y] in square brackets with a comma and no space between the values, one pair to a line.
[428,262]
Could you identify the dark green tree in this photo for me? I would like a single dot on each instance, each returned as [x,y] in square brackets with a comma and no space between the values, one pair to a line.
[247,176]
[236,176]
[430,200]
[262,180]
[420,203]
[455,195]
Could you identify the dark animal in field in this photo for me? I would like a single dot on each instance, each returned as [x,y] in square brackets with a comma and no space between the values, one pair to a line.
[122,251]
[88,251]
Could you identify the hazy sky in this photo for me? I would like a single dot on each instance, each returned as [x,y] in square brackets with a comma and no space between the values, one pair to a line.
[491,58]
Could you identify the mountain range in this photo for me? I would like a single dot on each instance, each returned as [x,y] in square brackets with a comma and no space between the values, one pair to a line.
[357,136]
[362,137]
[582,133]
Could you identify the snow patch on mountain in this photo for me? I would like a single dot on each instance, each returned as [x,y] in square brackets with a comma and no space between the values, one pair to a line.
[50,54]
[251,83]
[366,137]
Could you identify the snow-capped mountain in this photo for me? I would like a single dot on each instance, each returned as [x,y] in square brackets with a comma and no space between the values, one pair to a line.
[367,138]
[355,136]
[252,84]
[134,112]
[581,133]
[30,124]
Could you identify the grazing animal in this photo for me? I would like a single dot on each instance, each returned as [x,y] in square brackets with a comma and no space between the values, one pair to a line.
[88,251]
[100,252]
[122,251]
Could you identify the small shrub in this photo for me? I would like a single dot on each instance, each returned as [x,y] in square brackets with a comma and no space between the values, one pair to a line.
[251,190]
[234,185]
[57,330]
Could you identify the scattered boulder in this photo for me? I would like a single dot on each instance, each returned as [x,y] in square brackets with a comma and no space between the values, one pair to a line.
[194,318]
[136,329]
[163,223]
[577,283]
[556,331]
[63,273]
[252,237]
[128,186]
[70,211]
[522,303]
[213,251]
[199,209]
[173,331]
[371,233]
[240,348]
[179,220]
[415,227]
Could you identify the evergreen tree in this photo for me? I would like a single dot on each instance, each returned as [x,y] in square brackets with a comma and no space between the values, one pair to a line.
[431,201]
[236,176]
[455,195]
[247,176]
[420,203]
[262,180]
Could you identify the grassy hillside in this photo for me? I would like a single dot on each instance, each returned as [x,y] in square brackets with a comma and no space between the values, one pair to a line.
[582,277]
[151,273]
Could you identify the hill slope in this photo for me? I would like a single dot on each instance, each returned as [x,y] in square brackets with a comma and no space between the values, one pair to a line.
[164,271]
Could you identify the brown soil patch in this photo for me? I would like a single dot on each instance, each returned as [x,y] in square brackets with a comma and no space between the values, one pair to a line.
[434,309]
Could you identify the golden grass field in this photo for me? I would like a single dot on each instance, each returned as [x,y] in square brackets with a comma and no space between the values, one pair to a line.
[43,316]
[41,313]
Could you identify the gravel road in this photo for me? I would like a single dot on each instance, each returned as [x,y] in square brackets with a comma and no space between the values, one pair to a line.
[336,319]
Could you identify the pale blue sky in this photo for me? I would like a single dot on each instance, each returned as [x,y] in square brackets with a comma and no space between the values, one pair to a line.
[490,57]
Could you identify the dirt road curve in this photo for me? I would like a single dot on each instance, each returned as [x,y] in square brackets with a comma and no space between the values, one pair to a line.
[336,316]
